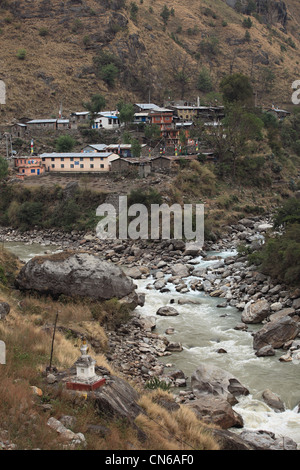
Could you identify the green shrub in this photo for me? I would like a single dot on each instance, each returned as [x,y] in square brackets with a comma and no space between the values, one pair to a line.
[155,383]
[43,32]
[280,256]
[21,54]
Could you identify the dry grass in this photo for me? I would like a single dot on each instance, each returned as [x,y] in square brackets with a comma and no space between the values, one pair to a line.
[177,430]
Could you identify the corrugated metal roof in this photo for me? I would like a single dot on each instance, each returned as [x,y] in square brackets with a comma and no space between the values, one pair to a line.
[75,155]
[37,121]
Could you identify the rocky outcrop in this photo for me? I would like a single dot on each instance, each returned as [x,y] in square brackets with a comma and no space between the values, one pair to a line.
[74,275]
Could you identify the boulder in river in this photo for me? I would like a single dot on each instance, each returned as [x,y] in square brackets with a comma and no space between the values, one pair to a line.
[255,312]
[74,275]
[167,311]
[276,333]
[210,379]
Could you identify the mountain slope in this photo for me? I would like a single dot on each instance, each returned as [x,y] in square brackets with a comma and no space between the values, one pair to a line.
[64,41]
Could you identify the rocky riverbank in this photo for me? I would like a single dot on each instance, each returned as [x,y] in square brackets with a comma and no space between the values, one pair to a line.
[136,350]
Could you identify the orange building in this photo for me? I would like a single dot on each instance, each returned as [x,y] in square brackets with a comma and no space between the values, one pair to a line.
[28,166]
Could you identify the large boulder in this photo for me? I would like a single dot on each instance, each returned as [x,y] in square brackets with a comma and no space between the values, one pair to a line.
[75,275]
[256,312]
[276,333]
[213,380]
[213,409]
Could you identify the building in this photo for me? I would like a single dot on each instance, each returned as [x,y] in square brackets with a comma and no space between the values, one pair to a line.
[18,129]
[107,120]
[28,166]
[95,148]
[191,113]
[141,118]
[145,107]
[139,166]
[83,162]
[81,117]
[42,124]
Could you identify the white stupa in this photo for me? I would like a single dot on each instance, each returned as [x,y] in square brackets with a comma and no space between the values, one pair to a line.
[86,377]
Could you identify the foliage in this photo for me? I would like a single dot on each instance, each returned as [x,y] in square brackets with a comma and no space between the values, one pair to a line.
[136,148]
[165,14]
[95,105]
[65,143]
[133,11]
[279,257]
[138,196]
[237,88]
[152,132]
[111,313]
[107,67]
[22,208]
[21,54]
[247,23]
[209,46]
[240,128]
[204,82]
[109,73]
[288,213]
[155,383]
[126,112]
[3,168]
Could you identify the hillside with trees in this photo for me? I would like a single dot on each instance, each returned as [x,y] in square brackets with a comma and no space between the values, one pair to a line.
[61,53]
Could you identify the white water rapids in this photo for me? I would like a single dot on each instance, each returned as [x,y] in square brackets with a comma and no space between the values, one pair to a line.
[202,329]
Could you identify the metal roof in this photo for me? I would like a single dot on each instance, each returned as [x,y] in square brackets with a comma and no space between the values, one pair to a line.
[75,155]
[36,121]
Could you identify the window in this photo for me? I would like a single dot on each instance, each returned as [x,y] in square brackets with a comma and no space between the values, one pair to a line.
[81,159]
[62,165]
[81,165]
[62,159]
[52,166]
[91,159]
[101,165]
[91,165]
[72,165]
[71,159]
[52,159]
[32,171]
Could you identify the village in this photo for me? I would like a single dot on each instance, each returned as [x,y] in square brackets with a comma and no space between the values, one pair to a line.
[175,140]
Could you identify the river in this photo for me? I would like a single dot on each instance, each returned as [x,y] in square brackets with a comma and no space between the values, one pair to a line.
[203,329]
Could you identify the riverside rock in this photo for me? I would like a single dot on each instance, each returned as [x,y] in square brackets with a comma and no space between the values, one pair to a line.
[74,275]
[276,333]
[255,312]
[214,380]
[216,410]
